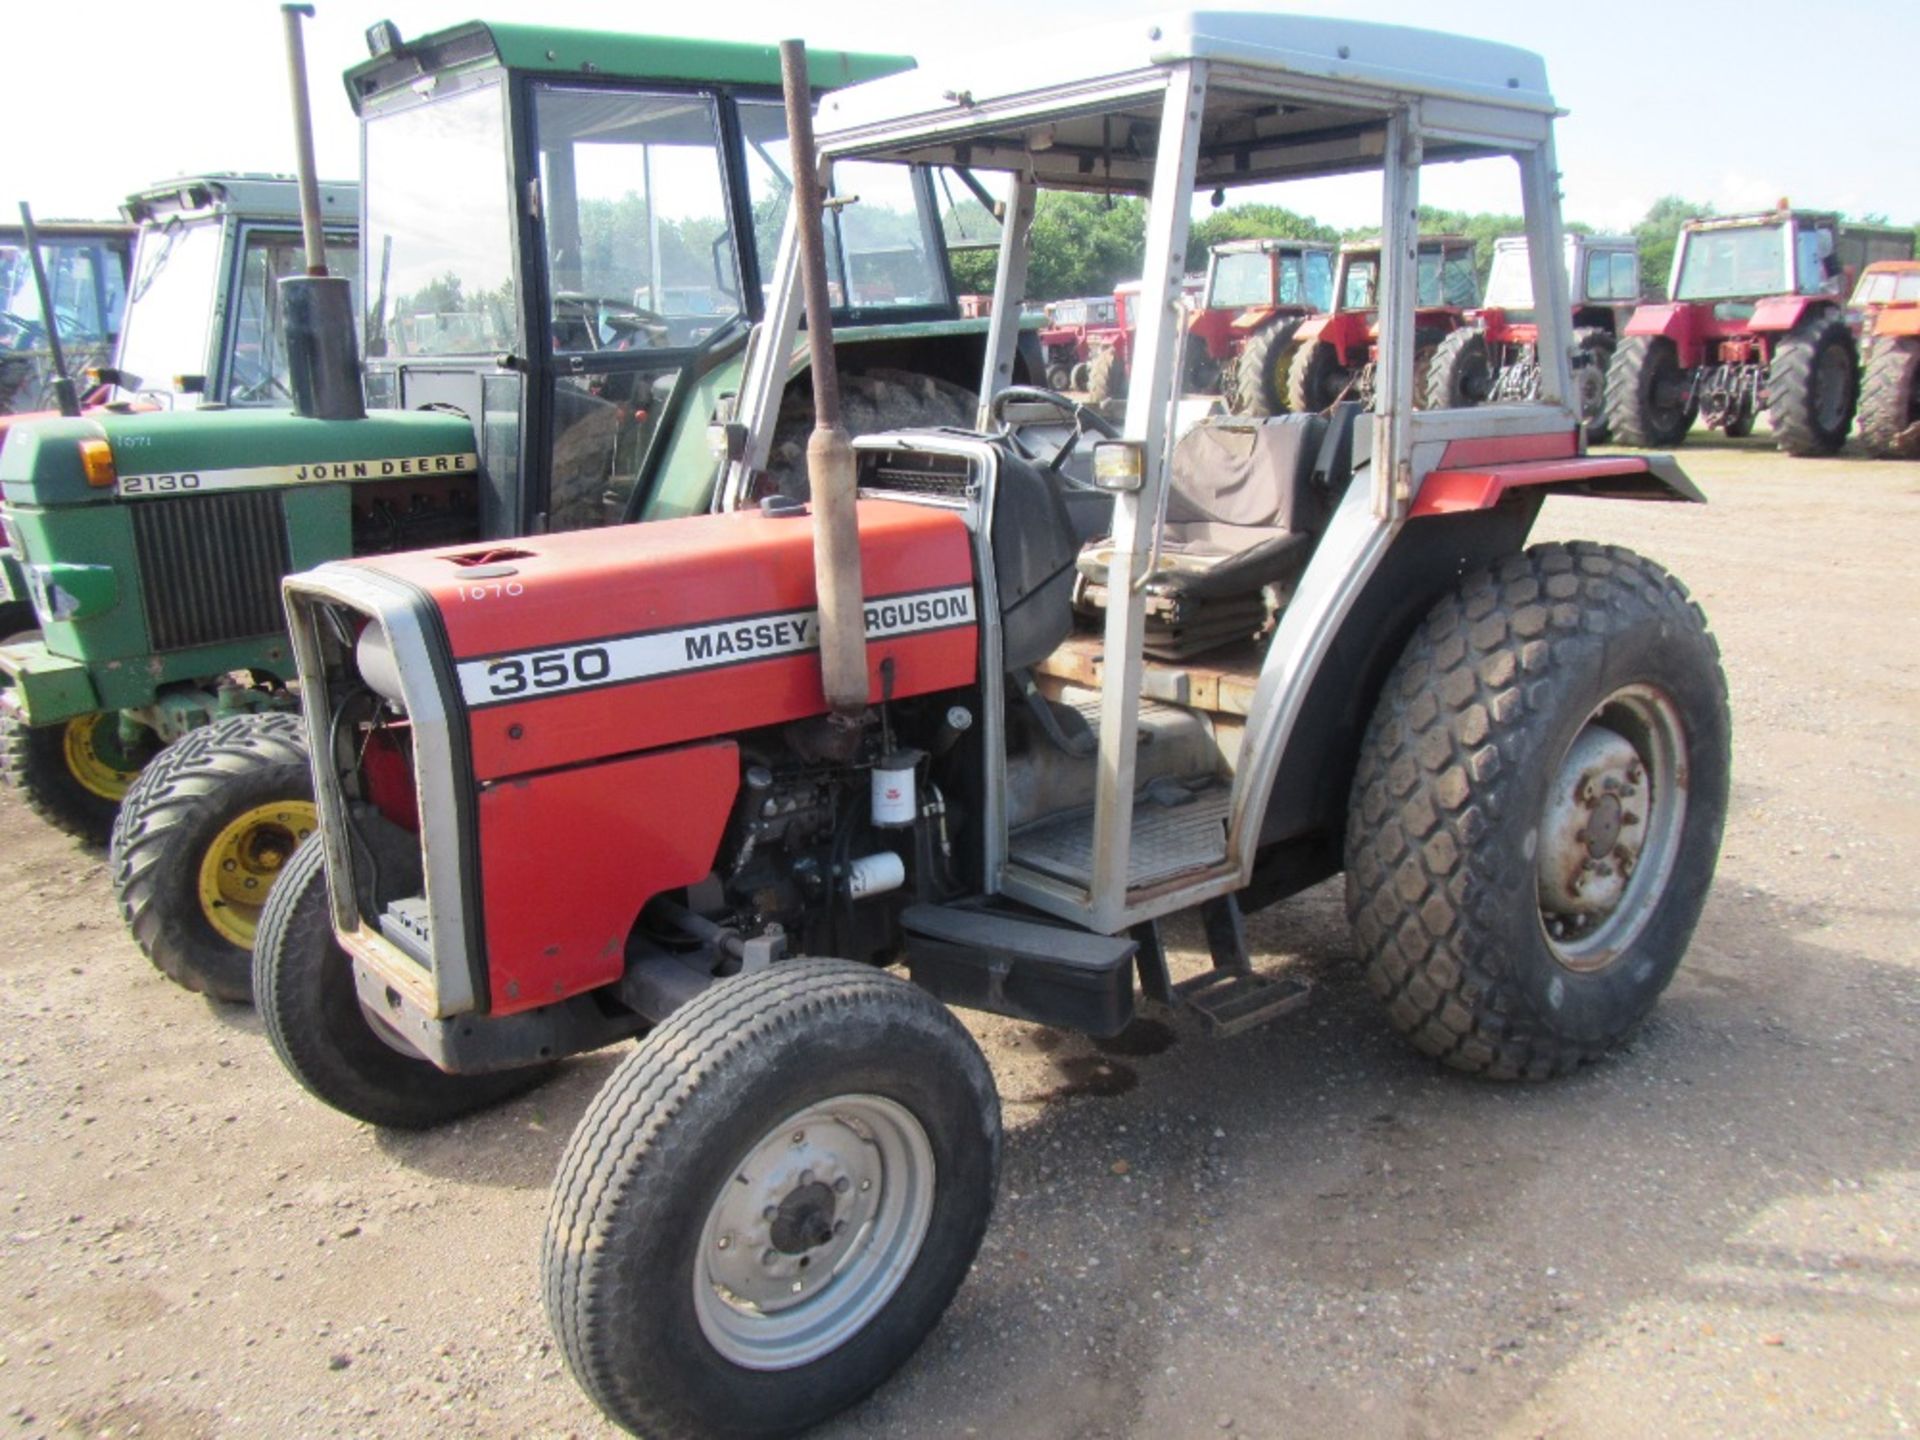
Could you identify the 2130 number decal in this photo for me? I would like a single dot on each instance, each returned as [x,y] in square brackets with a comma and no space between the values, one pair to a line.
[549,670]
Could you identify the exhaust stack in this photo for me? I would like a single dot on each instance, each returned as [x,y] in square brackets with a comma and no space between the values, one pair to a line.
[830,475]
[316,309]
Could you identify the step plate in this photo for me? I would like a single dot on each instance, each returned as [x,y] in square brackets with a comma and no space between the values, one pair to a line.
[1228,1003]
[1168,840]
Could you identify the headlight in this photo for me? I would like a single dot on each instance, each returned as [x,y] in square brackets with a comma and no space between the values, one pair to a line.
[373,657]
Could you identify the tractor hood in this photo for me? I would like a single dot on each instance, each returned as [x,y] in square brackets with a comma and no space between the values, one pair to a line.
[165,453]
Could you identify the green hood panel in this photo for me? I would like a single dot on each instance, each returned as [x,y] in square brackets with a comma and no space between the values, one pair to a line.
[163,452]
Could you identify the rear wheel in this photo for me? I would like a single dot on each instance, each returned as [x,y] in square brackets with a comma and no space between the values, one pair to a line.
[1059,376]
[1890,400]
[1647,393]
[1461,372]
[1813,386]
[73,774]
[1593,350]
[1260,374]
[303,986]
[201,839]
[1082,376]
[771,1202]
[1106,377]
[1537,810]
[1315,378]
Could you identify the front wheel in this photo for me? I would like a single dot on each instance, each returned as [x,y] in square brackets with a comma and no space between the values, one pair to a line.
[202,837]
[303,986]
[771,1202]
[72,774]
[1813,386]
[1537,810]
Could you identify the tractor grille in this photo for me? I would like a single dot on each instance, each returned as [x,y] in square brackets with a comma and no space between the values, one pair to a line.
[210,567]
[915,472]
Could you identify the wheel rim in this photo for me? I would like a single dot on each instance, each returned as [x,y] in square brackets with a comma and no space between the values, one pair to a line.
[1611,831]
[813,1233]
[96,758]
[246,857]
[1831,381]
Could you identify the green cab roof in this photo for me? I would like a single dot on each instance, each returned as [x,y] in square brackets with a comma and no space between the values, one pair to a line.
[606,54]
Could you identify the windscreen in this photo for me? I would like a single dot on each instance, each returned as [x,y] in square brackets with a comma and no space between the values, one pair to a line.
[1510,282]
[170,302]
[1726,264]
[439,231]
[256,360]
[1240,280]
[880,248]
[1885,287]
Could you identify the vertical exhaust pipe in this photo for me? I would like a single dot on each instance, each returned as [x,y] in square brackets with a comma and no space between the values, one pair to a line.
[64,399]
[830,475]
[316,309]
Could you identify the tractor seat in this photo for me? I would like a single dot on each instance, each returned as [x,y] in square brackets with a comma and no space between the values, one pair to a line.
[1246,501]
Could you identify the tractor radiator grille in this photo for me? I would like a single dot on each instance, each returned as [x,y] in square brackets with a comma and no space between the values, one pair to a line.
[210,567]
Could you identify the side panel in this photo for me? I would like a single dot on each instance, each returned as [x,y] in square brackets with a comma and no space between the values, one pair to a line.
[560,853]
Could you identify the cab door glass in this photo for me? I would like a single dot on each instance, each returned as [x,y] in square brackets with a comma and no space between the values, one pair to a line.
[879,252]
[256,359]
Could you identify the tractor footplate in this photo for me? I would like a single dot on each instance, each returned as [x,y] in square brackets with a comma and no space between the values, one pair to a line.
[1228,1003]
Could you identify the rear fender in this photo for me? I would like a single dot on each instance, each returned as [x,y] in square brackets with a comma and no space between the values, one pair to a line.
[1896,322]
[1462,487]
[1778,314]
[1682,324]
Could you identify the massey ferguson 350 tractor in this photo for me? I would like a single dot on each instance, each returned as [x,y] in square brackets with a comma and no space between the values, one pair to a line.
[1241,339]
[810,744]
[1754,323]
[1887,300]
[1497,356]
[551,362]
[1335,355]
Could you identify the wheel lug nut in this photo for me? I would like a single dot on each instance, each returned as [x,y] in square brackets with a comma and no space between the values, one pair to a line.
[799,1137]
[866,1184]
[772,1212]
[771,1257]
[796,1287]
[724,1242]
[842,1185]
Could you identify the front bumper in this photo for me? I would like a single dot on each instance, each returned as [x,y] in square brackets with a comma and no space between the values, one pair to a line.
[44,688]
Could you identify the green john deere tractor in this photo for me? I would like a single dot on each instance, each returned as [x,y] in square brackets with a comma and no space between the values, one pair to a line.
[566,238]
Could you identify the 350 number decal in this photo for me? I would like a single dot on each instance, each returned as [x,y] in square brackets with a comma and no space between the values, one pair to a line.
[549,670]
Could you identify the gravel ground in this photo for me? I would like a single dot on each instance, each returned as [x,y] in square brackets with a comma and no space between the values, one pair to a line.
[1305,1230]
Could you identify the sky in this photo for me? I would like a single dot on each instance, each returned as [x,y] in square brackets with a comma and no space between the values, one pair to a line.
[1738,103]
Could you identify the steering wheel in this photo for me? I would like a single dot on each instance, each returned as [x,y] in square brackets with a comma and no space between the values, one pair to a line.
[1084,418]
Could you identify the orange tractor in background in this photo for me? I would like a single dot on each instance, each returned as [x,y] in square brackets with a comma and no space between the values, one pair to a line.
[1888,301]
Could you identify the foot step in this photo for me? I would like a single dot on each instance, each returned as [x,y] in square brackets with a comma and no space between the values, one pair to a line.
[1228,1002]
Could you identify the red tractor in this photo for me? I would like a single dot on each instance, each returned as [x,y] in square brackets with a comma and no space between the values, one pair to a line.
[1755,323]
[1112,348]
[1497,357]
[770,787]
[1334,354]
[1064,341]
[1888,303]
[1258,292]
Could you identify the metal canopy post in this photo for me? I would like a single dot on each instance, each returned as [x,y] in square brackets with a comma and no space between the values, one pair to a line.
[1136,516]
[1009,295]
[1399,294]
[765,380]
[1546,252]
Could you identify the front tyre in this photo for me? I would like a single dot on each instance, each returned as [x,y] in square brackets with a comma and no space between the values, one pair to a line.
[771,1202]
[303,986]
[202,836]
[1537,810]
[72,774]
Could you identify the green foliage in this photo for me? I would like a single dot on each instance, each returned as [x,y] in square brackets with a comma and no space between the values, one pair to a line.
[1658,233]
[1082,245]
[1482,228]
[1250,222]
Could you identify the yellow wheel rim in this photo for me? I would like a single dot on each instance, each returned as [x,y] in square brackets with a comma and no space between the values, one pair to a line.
[245,858]
[96,758]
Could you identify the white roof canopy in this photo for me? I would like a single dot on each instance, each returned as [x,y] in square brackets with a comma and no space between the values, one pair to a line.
[1288,96]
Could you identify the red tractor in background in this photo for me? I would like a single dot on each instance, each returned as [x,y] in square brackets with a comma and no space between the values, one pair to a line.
[1334,353]
[1065,340]
[1496,358]
[1887,302]
[1755,323]
[1112,349]
[1258,292]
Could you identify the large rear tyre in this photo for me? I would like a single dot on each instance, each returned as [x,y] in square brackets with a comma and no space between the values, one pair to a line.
[1593,356]
[1890,400]
[771,1202]
[1537,810]
[1315,378]
[871,401]
[201,838]
[303,986]
[1813,387]
[1260,373]
[73,774]
[1647,393]
[1460,374]
[1106,377]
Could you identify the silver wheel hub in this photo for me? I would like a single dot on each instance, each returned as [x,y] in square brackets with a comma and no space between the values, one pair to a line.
[1611,830]
[814,1231]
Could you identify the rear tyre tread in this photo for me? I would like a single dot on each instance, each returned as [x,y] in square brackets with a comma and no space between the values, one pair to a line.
[1792,406]
[1889,416]
[1629,378]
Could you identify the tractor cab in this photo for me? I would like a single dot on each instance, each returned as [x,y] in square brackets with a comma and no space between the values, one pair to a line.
[1256,295]
[86,269]
[990,704]
[1603,278]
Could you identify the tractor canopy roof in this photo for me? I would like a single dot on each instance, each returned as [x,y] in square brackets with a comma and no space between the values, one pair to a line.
[1288,96]
[1269,245]
[602,54]
[253,197]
